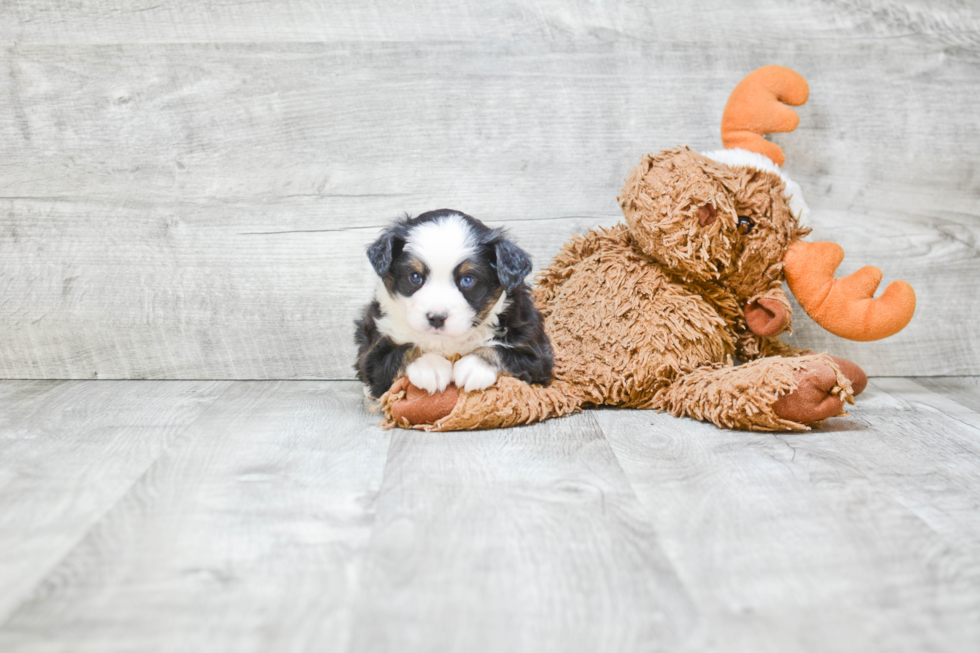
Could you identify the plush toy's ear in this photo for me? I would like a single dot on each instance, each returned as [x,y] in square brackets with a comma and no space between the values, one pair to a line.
[383,251]
[513,263]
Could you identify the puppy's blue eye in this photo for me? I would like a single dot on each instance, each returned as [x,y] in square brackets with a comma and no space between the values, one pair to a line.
[466,281]
[415,278]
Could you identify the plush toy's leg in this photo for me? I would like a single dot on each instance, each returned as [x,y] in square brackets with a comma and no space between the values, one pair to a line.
[769,394]
[853,371]
[507,403]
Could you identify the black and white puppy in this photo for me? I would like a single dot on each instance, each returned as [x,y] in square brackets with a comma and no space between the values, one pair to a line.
[449,285]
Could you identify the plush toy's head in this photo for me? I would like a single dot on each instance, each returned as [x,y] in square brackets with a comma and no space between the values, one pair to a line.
[708,221]
[732,218]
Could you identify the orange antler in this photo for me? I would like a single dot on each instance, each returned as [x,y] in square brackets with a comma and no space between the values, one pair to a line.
[846,306]
[756,107]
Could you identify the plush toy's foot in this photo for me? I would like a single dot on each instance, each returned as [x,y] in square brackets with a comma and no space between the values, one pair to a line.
[767,394]
[854,374]
[416,406]
[508,402]
[813,398]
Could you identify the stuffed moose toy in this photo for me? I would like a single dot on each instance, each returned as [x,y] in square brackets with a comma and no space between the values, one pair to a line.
[653,313]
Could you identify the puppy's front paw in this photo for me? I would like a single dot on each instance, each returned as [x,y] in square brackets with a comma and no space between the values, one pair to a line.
[473,373]
[431,372]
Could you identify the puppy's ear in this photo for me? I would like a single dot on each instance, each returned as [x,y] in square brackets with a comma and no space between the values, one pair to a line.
[384,250]
[513,264]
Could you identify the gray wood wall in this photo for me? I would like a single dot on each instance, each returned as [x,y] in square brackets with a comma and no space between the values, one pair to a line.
[186,188]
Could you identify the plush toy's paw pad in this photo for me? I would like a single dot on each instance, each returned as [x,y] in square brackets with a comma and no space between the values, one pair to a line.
[812,400]
[766,317]
[854,374]
[420,407]
[430,372]
[472,373]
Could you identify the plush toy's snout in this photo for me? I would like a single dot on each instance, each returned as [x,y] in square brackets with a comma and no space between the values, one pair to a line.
[679,210]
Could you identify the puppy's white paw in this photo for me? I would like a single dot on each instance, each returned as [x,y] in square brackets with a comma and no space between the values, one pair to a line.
[473,373]
[431,372]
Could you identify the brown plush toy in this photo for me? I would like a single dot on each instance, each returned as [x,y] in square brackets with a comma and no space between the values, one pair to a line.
[653,312]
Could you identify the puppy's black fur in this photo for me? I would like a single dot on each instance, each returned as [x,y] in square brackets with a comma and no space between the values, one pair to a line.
[523,349]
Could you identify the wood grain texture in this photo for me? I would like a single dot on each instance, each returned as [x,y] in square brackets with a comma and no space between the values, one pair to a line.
[242,536]
[68,452]
[860,536]
[275,516]
[186,189]
[952,22]
[516,540]
[963,390]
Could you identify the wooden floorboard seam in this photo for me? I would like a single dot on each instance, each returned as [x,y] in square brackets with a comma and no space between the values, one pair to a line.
[95,524]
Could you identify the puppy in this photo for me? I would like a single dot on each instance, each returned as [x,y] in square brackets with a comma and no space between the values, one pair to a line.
[449,286]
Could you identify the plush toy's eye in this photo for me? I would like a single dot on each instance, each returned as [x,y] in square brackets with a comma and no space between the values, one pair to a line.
[745,224]
[415,278]
[466,281]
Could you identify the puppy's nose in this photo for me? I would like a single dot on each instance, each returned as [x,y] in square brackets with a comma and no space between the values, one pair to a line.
[437,320]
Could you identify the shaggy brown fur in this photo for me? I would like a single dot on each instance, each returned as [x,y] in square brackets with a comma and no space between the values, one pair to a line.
[652,313]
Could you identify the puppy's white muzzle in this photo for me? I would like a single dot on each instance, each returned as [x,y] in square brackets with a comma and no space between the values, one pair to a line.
[439,309]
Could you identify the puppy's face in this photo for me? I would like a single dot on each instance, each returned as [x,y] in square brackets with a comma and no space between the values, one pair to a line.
[445,272]
[442,279]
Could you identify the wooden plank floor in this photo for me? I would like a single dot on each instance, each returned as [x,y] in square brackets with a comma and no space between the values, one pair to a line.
[276,516]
